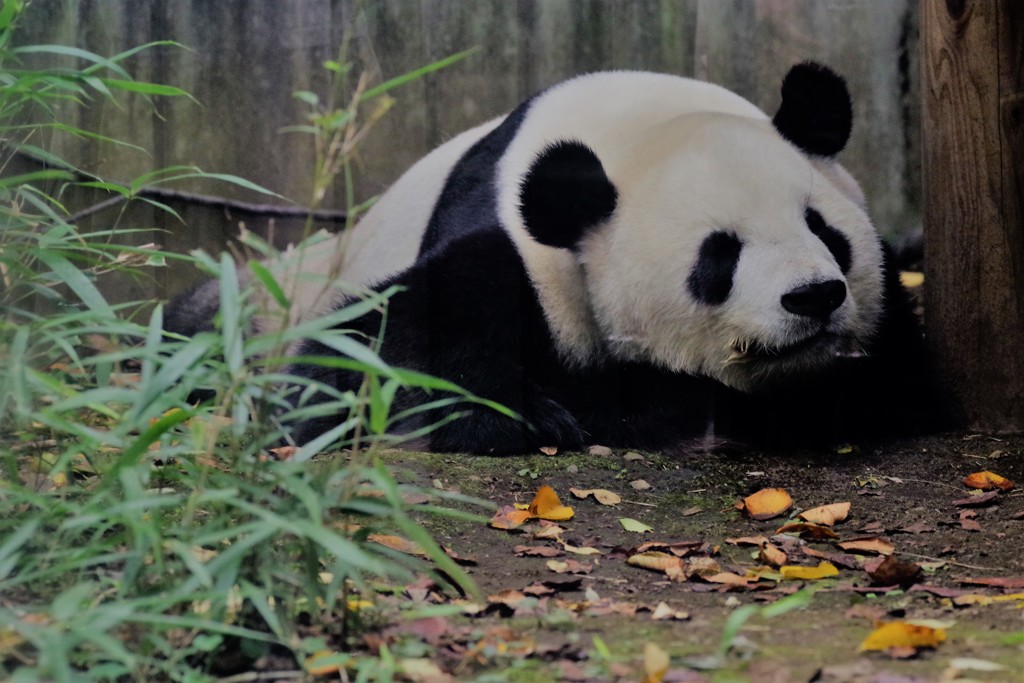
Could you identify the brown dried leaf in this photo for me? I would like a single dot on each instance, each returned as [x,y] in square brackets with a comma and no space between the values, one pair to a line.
[808,531]
[1011,582]
[536,551]
[748,540]
[602,496]
[893,571]
[976,501]
[870,544]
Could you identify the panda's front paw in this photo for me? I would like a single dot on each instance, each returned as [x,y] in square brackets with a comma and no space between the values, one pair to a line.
[487,432]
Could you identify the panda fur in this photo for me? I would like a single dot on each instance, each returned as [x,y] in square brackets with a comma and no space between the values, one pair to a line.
[636,259]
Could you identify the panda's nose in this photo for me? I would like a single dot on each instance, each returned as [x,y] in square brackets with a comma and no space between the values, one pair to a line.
[815,300]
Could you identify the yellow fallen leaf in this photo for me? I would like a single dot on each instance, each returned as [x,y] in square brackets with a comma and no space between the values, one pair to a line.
[826,514]
[766,503]
[655,663]
[823,570]
[986,481]
[900,634]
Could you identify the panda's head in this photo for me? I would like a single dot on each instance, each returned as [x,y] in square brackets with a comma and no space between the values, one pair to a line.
[719,245]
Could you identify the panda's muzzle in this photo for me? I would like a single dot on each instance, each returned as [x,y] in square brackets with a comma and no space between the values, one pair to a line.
[746,351]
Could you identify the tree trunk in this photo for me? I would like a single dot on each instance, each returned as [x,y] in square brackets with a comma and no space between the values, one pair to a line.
[973,167]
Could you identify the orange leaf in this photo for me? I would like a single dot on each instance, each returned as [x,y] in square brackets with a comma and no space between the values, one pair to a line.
[508,518]
[824,569]
[546,505]
[900,634]
[766,503]
[826,514]
[986,481]
[398,543]
[870,544]
[772,555]
[655,560]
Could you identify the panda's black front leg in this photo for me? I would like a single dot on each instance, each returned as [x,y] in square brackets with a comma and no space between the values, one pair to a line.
[483,430]
[468,314]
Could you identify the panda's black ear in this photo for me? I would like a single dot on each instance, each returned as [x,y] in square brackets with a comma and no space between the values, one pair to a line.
[816,114]
[565,193]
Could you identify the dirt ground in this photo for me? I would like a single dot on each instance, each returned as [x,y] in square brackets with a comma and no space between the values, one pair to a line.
[909,493]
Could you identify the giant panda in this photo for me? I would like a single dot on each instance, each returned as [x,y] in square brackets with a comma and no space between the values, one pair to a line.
[635,259]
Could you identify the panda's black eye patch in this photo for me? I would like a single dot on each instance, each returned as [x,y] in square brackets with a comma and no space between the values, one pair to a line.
[710,279]
[833,239]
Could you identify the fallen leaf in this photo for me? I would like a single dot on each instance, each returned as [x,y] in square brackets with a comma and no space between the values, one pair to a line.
[655,560]
[795,572]
[602,496]
[536,551]
[578,550]
[548,450]
[663,612]
[546,505]
[509,518]
[872,544]
[640,485]
[893,571]
[999,581]
[731,579]
[976,501]
[808,531]
[548,531]
[771,554]
[748,540]
[599,450]
[702,567]
[325,662]
[765,504]
[987,481]
[838,559]
[557,566]
[635,526]
[826,514]
[900,634]
[422,670]
[972,599]
[655,663]
[398,543]
[968,521]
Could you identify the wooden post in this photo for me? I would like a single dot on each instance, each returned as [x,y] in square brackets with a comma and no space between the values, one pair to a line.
[972,92]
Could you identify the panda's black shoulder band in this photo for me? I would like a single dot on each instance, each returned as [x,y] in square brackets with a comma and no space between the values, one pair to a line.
[816,113]
[565,193]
